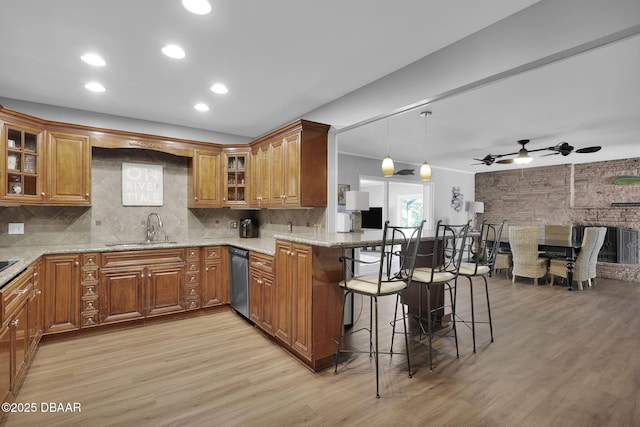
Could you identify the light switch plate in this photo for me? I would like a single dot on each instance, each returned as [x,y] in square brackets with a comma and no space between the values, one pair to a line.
[16,228]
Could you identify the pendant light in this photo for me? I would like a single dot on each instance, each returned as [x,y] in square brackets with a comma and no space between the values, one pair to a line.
[387,163]
[425,169]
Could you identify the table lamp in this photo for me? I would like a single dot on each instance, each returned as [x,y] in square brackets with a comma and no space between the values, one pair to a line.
[475,208]
[356,202]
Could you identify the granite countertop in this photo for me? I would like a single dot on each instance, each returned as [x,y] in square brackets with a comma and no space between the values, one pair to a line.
[25,255]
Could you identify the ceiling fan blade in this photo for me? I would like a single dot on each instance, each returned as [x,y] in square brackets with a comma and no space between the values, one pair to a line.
[589,149]
[504,161]
[551,154]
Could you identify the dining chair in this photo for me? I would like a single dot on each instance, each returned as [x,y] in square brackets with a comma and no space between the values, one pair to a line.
[523,241]
[448,248]
[482,266]
[584,268]
[395,272]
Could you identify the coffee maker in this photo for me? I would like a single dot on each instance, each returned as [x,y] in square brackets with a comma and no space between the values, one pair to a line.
[248,228]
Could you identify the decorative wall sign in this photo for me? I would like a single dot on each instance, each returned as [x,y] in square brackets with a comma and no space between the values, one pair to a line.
[456,199]
[342,191]
[626,180]
[142,185]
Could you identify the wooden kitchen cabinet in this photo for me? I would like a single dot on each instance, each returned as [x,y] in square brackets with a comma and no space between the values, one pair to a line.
[307,301]
[22,177]
[122,296]
[236,178]
[61,293]
[293,296]
[259,177]
[19,334]
[297,172]
[139,284]
[261,294]
[165,289]
[215,278]
[68,179]
[205,172]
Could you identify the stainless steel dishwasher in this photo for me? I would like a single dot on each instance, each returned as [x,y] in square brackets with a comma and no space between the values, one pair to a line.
[239,280]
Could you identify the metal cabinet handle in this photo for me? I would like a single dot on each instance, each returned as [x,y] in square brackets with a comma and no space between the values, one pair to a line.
[15,322]
[21,291]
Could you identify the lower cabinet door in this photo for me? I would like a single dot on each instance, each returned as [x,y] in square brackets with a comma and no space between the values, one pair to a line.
[5,364]
[165,286]
[123,295]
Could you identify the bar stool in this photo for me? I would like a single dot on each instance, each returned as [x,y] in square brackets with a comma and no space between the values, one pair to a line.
[397,260]
[490,235]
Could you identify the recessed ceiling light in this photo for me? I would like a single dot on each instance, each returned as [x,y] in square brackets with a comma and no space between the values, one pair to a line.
[93,59]
[201,107]
[94,87]
[173,51]
[219,88]
[199,7]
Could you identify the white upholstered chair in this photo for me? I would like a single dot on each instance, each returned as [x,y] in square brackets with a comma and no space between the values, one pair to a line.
[584,268]
[524,249]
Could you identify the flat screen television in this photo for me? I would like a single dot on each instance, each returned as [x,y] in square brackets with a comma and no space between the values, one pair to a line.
[372,218]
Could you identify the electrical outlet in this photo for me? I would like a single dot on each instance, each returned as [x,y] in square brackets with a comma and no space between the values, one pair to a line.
[16,228]
[233,224]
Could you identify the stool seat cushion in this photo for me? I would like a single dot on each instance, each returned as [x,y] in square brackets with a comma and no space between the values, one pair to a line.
[423,275]
[369,285]
[469,269]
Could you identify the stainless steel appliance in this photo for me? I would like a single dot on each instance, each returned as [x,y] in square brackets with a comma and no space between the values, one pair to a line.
[239,280]
[248,228]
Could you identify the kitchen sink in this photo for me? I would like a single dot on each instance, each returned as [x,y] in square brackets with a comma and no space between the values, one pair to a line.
[145,243]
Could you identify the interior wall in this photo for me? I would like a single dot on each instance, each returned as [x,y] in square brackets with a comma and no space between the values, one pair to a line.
[107,220]
[350,167]
[579,194]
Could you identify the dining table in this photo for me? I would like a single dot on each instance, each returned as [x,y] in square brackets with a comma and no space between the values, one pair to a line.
[571,248]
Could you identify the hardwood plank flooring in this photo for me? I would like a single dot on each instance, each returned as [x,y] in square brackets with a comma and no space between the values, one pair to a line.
[559,359]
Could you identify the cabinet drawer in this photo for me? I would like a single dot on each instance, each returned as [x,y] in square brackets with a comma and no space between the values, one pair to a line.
[15,293]
[90,275]
[90,319]
[90,304]
[261,262]
[90,260]
[213,252]
[89,289]
[193,303]
[136,258]
[193,253]
[193,278]
[193,291]
[193,266]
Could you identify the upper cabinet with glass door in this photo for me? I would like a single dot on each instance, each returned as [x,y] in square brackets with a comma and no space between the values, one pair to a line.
[236,178]
[22,181]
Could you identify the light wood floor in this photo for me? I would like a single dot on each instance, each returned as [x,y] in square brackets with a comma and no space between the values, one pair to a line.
[559,359]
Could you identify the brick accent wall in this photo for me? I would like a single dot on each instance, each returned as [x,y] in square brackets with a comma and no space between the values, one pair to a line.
[579,194]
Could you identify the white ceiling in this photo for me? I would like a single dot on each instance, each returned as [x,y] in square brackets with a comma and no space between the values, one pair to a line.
[590,99]
[284,58]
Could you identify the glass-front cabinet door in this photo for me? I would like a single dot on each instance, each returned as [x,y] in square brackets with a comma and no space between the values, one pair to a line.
[236,178]
[22,180]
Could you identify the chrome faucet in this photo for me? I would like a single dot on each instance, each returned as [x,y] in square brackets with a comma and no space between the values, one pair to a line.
[151,231]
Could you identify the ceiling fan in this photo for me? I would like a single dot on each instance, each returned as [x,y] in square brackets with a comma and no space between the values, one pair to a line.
[522,155]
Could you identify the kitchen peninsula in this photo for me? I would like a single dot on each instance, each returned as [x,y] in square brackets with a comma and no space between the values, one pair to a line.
[53,290]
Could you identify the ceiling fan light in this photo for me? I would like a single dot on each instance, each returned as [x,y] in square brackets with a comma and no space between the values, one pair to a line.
[387,166]
[425,171]
[523,157]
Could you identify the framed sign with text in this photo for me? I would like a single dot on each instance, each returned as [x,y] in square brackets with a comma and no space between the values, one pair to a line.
[142,185]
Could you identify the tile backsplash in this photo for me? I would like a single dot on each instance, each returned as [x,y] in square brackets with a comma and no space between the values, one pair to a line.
[107,220]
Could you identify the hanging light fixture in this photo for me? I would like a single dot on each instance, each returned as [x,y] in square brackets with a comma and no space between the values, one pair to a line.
[425,169]
[387,163]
